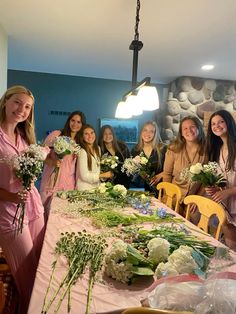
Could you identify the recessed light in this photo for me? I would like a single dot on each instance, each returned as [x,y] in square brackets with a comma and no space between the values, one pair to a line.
[207,67]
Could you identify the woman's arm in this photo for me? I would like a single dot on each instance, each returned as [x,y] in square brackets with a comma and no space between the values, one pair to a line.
[221,195]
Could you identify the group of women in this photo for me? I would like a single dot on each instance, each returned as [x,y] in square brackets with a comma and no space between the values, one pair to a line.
[82,172]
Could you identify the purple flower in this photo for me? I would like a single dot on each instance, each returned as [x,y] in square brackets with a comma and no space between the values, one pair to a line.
[161,212]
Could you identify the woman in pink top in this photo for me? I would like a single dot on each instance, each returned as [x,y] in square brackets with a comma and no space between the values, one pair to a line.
[66,176]
[221,147]
[22,250]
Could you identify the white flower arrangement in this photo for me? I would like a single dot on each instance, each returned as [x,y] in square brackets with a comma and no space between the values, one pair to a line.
[64,145]
[28,167]
[108,162]
[120,189]
[115,191]
[138,165]
[158,250]
[207,174]
[179,262]
[165,269]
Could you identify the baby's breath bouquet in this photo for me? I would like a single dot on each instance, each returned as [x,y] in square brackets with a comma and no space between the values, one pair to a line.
[206,174]
[28,167]
[108,162]
[139,165]
[63,145]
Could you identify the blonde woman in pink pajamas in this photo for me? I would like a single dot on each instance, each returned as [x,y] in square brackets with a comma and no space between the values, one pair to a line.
[22,250]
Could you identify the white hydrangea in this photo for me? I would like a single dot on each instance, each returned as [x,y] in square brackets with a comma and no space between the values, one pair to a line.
[121,189]
[196,169]
[102,188]
[158,250]
[182,260]
[116,265]
[61,144]
[117,252]
[165,269]
[119,271]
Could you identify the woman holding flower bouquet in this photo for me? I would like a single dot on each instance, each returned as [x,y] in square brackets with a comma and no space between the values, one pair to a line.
[150,146]
[110,146]
[88,163]
[59,171]
[221,147]
[186,150]
[22,249]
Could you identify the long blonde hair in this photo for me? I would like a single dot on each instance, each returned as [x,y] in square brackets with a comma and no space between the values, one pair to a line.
[156,141]
[27,127]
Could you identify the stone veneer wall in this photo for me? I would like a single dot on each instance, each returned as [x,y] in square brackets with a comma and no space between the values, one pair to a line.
[193,96]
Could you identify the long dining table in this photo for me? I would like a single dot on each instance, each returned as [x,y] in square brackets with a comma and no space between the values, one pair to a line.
[108,296]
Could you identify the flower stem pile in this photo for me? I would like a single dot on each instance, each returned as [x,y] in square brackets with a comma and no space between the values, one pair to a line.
[82,251]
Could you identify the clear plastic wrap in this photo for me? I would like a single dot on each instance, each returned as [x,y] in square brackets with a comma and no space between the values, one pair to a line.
[215,295]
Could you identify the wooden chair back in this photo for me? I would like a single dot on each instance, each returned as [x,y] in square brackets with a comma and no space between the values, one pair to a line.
[2,297]
[170,194]
[148,310]
[207,209]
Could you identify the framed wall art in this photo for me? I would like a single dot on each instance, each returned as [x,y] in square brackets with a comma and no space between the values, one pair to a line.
[125,130]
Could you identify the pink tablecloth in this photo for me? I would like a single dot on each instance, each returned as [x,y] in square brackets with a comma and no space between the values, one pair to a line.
[109,296]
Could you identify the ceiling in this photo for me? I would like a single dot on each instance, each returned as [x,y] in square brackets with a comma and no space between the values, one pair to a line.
[92,37]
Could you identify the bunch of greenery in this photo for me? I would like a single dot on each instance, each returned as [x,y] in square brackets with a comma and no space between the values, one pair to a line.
[81,250]
[113,218]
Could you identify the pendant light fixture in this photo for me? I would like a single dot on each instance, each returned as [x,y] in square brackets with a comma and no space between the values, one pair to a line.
[142,96]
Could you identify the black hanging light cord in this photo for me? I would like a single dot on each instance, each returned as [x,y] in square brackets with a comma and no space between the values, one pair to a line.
[136,45]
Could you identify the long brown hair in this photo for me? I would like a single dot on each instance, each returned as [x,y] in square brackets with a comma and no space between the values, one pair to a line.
[66,131]
[27,127]
[95,148]
[179,143]
[115,141]
[214,142]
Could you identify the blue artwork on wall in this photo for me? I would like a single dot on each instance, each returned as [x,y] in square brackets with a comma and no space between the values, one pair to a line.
[125,130]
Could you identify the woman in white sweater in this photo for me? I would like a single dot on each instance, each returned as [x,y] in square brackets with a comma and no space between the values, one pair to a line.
[88,163]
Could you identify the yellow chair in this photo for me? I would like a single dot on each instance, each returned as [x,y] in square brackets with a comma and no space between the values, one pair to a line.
[207,209]
[170,194]
[148,310]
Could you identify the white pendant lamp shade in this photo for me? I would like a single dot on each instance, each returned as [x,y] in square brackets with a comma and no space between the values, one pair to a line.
[142,96]
[133,105]
[148,97]
[122,112]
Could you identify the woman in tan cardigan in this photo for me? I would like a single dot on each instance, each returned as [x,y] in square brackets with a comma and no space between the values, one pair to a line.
[186,150]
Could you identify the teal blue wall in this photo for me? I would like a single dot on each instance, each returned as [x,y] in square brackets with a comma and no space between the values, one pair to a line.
[97,98]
